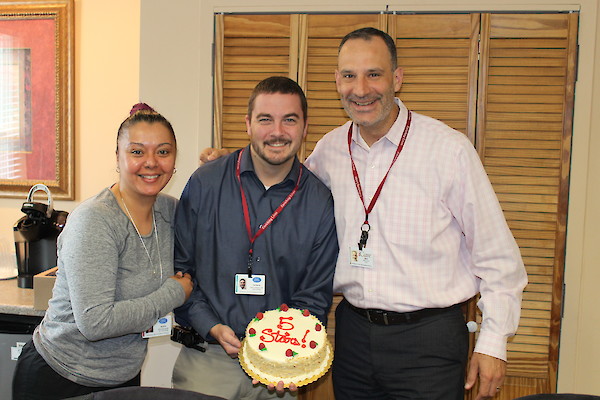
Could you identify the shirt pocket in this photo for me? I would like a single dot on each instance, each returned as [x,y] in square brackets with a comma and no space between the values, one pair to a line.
[407,219]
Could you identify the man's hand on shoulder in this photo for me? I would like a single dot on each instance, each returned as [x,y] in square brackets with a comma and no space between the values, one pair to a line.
[227,339]
[491,372]
[211,154]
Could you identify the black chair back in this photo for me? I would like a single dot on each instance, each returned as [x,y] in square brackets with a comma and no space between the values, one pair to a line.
[154,393]
[559,396]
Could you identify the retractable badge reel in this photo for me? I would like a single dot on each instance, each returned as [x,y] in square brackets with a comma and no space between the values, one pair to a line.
[364,235]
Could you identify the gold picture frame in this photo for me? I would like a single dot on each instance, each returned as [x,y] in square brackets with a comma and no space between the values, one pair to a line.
[37,97]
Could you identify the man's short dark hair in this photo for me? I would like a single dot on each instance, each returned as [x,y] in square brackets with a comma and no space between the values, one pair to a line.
[278,84]
[367,34]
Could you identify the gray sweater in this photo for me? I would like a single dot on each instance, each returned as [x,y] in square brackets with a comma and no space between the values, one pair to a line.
[106,292]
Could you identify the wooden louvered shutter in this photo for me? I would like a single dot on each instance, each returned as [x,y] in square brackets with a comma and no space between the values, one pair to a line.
[438,54]
[317,69]
[249,48]
[524,137]
[515,104]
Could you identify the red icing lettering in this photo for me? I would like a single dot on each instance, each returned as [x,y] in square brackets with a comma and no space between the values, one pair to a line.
[278,337]
[304,338]
[286,326]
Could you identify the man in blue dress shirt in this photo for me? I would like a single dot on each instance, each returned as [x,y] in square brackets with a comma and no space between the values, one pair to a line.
[259,216]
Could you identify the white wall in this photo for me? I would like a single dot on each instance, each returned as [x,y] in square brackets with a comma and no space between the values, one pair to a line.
[185,63]
[171,52]
[171,82]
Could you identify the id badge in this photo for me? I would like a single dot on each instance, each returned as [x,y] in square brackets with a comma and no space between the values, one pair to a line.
[361,258]
[162,327]
[250,285]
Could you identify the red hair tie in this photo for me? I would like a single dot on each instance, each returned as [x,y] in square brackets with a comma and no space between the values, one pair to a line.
[140,107]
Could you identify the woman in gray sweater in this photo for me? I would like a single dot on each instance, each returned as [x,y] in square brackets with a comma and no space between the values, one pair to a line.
[115,274]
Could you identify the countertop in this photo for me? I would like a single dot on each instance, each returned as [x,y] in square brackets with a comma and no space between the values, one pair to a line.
[14,300]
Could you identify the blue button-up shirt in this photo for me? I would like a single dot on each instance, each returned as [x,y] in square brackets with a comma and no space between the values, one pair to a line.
[296,253]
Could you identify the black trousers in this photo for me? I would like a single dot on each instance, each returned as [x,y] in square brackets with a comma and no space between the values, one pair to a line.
[423,360]
[34,379]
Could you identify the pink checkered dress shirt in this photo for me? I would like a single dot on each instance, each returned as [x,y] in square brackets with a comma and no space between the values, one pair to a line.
[438,233]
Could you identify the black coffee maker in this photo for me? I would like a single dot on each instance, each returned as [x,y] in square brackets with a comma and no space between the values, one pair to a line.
[35,236]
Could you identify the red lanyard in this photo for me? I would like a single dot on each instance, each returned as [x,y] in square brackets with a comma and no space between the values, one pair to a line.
[365,226]
[269,220]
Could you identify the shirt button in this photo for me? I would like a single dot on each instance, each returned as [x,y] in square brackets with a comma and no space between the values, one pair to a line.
[372,166]
[257,259]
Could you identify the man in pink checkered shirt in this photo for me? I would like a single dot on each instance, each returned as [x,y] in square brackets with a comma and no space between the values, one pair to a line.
[413,200]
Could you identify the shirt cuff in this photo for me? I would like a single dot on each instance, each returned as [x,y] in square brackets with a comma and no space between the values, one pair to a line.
[491,344]
[175,287]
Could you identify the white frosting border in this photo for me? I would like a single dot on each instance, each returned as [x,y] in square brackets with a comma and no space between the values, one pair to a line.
[299,380]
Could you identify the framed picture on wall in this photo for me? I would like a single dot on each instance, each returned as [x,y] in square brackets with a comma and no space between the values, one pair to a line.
[36,97]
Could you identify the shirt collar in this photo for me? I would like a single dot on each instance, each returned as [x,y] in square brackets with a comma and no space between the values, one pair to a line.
[246,165]
[394,134]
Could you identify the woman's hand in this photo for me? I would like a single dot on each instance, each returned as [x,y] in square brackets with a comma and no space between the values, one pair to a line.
[185,280]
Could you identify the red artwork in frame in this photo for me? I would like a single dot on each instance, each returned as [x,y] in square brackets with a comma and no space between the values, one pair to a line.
[36,96]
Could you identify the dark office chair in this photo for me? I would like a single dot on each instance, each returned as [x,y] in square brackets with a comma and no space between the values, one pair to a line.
[559,396]
[154,393]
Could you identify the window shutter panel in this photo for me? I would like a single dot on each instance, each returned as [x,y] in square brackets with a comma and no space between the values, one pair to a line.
[254,47]
[524,137]
[324,33]
[438,54]
[514,100]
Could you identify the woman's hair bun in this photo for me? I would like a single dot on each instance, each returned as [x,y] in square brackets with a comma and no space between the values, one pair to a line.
[140,107]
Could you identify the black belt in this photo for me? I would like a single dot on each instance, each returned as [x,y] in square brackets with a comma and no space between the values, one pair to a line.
[382,317]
